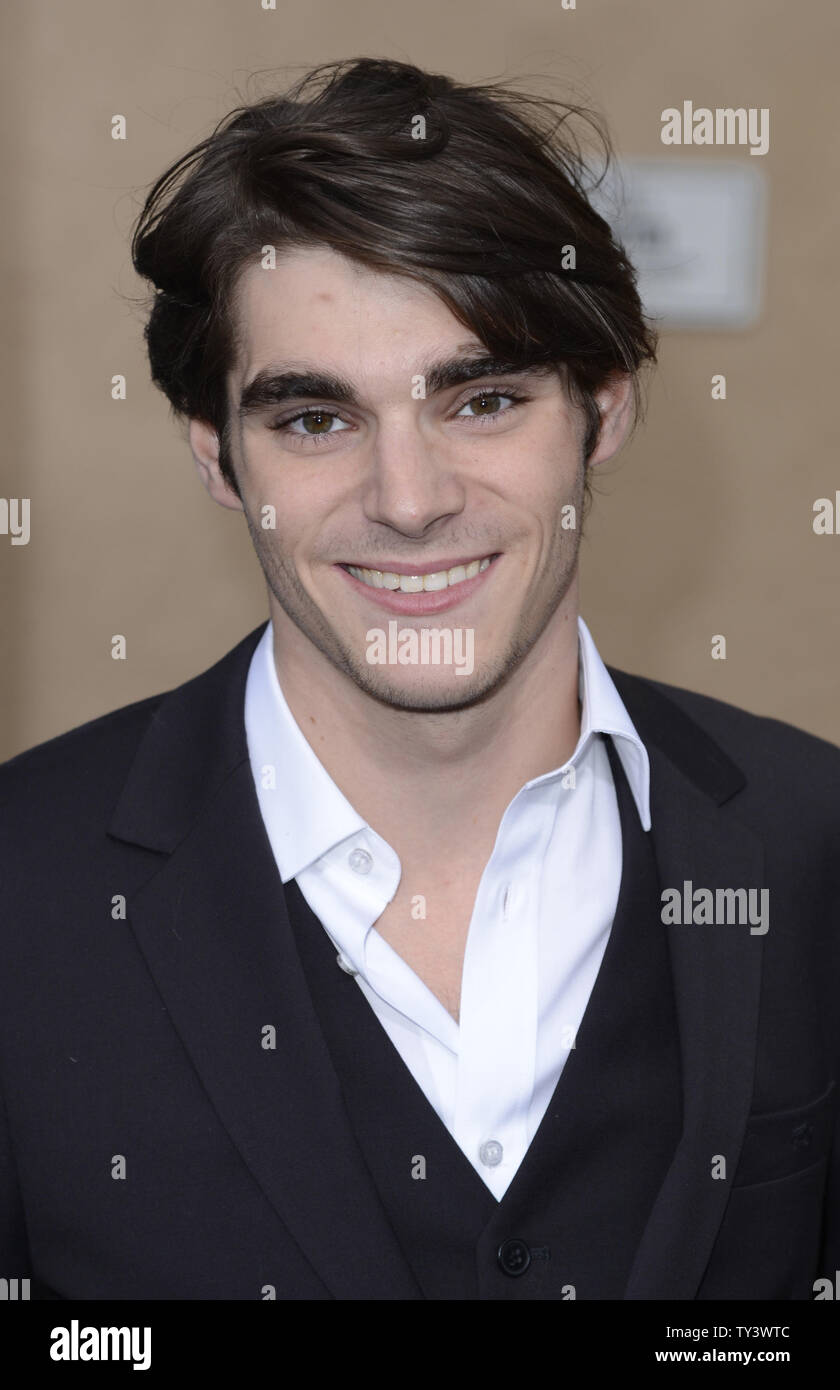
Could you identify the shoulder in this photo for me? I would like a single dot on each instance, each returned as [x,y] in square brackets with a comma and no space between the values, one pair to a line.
[92,761]
[743,733]
[87,764]
[785,767]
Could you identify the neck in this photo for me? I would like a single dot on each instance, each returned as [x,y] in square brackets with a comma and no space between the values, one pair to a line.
[428,779]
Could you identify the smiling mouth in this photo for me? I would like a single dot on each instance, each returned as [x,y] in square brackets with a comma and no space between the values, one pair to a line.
[419,583]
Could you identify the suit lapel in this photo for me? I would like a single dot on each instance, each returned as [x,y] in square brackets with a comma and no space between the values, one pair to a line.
[213,928]
[716,975]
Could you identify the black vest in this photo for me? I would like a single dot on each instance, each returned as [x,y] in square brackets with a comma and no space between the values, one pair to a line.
[570,1222]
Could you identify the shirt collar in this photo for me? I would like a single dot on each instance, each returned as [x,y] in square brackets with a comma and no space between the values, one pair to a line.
[603,712]
[304,811]
[306,814]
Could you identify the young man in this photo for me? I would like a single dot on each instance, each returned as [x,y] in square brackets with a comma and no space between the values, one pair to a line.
[409,952]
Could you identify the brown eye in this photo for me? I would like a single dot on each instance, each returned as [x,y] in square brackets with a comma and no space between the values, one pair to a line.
[485,404]
[321,421]
[311,424]
[488,403]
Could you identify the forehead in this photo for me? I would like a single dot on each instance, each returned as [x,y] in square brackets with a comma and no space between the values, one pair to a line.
[317,305]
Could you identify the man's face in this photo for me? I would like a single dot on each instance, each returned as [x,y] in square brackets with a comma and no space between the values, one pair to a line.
[385,499]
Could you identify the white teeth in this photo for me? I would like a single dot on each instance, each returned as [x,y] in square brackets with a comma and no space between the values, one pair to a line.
[434,581]
[417,583]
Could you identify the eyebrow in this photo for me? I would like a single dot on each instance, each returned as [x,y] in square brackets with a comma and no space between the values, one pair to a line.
[273,385]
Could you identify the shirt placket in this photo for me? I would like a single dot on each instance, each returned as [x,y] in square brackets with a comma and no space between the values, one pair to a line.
[497,1049]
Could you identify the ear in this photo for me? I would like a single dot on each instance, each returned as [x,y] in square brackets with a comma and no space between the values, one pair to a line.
[204,443]
[615,401]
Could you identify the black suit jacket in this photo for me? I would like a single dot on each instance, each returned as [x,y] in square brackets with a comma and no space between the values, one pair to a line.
[152,1147]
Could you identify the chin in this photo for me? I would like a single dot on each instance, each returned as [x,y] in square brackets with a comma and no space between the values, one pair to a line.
[428,697]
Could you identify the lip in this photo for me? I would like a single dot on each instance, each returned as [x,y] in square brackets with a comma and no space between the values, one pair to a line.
[424,603]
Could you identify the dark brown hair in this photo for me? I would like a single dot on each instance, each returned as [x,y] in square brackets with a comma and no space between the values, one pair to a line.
[482,209]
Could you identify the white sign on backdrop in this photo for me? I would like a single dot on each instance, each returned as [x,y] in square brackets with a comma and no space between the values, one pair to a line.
[695,232]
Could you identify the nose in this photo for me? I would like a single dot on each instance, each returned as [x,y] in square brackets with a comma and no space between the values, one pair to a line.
[413,480]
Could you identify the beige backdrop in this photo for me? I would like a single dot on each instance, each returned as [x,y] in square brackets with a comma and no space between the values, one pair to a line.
[704,526]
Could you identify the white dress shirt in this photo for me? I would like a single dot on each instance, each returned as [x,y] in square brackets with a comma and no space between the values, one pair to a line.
[539,928]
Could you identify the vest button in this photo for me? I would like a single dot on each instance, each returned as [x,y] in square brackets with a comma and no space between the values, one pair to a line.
[514,1257]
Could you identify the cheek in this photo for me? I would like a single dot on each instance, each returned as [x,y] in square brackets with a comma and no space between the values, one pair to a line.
[541,479]
[287,504]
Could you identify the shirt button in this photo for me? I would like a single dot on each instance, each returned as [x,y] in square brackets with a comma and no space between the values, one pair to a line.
[491,1153]
[346,965]
[513,1257]
[360,861]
